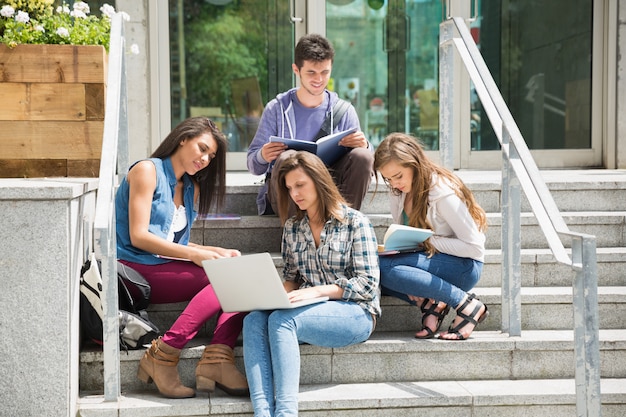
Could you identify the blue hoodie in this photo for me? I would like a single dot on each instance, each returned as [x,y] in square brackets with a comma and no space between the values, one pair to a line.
[278,119]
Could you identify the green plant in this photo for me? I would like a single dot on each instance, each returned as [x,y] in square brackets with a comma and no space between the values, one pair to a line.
[38,22]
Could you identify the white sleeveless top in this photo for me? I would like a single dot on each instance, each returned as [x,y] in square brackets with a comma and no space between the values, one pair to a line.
[179,224]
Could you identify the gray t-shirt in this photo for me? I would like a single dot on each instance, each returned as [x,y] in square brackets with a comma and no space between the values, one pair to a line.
[309,120]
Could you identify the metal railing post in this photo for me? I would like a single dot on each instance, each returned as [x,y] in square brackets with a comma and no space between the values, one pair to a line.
[520,172]
[446,95]
[115,127]
[511,242]
[586,328]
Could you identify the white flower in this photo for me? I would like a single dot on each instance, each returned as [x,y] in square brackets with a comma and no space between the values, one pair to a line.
[39,28]
[107,10]
[134,49]
[7,11]
[81,6]
[78,14]
[125,16]
[63,32]
[63,9]
[22,17]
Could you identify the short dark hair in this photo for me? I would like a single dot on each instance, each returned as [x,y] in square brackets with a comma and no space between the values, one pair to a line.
[313,47]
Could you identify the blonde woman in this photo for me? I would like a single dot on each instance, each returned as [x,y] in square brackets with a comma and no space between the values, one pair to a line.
[448,265]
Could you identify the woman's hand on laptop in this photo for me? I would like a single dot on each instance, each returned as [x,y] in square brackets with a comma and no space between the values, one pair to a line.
[201,253]
[333,292]
[226,253]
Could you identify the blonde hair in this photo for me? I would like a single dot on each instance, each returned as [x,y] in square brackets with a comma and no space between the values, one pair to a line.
[329,198]
[408,152]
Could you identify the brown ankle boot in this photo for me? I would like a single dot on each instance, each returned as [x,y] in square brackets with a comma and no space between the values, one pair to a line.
[159,364]
[217,367]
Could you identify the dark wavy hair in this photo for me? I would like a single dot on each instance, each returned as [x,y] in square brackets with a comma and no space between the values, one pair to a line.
[313,47]
[211,180]
[329,198]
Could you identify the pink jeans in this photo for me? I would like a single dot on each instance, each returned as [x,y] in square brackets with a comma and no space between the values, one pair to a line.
[179,281]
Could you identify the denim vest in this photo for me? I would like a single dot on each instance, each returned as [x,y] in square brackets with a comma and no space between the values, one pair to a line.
[161,213]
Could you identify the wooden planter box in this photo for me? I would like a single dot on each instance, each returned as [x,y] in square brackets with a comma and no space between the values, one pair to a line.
[51,110]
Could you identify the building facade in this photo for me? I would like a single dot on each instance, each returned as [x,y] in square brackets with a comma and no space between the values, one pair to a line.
[558,65]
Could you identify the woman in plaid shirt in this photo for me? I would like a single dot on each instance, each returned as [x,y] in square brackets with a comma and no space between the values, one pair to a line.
[329,250]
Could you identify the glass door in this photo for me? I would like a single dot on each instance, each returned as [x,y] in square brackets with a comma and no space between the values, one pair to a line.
[539,53]
[230,57]
[542,57]
[227,59]
[386,63]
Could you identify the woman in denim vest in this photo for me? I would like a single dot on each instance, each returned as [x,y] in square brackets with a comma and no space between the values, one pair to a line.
[156,205]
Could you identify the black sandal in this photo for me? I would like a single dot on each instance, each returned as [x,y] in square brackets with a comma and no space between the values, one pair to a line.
[430,311]
[467,319]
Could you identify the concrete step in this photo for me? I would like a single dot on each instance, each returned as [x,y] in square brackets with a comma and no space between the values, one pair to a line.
[393,357]
[543,308]
[537,397]
[263,233]
[489,374]
[603,190]
[539,268]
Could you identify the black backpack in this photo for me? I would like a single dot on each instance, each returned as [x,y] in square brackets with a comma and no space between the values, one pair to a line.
[133,290]
[136,329]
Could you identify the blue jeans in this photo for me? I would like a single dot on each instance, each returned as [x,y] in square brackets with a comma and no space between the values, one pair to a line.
[442,277]
[272,354]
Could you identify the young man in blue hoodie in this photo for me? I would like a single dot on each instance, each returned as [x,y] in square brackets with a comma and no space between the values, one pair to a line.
[300,113]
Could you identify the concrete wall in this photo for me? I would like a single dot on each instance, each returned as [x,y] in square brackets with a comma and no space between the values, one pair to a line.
[139,73]
[41,254]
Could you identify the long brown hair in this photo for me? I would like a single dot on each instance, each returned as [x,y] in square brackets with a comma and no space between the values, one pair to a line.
[329,198]
[211,179]
[408,152]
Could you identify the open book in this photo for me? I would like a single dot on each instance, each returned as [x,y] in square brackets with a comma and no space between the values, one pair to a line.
[400,238]
[327,147]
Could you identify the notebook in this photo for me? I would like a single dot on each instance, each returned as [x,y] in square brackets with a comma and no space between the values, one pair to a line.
[250,282]
[327,148]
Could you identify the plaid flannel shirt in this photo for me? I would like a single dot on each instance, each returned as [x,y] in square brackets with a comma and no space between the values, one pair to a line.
[347,256]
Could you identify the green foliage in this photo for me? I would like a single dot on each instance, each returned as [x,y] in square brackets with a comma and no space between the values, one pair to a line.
[38,22]
[220,47]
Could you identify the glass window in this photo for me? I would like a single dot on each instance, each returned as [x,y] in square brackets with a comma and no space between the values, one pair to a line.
[386,63]
[540,55]
[228,58]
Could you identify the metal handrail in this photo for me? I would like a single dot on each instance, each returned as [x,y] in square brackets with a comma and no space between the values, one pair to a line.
[115,134]
[519,171]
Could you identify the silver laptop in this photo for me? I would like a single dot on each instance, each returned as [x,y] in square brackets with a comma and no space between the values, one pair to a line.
[250,282]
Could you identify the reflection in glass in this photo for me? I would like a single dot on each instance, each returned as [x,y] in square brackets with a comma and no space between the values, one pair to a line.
[388,51]
[540,55]
[386,64]
[227,59]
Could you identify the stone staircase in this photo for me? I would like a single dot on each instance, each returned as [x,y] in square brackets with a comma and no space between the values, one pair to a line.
[394,374]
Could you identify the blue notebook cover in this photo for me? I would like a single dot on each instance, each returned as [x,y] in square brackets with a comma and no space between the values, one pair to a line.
[326,148]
